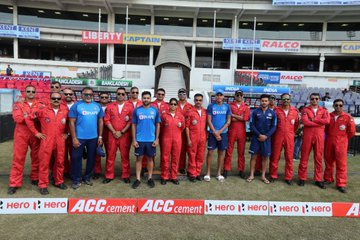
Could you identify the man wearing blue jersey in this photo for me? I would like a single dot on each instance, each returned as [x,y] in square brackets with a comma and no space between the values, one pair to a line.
[86,127]
[218,120]
[145,132]
[262,124]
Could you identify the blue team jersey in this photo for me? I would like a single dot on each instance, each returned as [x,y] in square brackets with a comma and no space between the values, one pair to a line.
[87,115]
[219,115]
[263,122]
[146,120]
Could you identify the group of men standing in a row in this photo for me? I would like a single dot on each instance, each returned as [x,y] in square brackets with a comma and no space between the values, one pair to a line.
[59,131]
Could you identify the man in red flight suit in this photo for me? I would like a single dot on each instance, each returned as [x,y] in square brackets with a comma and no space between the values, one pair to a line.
[53,136]
[104,101]
[68,102]
[183,108]
[314,119]
[23,138]
[134,98]
[172,125]
[287,124]
[196,137]
[237,133]
[338,132]
[117,118]
[258,165]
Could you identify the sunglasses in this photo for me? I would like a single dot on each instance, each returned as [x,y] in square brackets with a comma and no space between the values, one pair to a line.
[104,97]
[55,86]
[173,104]
[182,93]
[30,91]
[135,92]
[122,94]
[338,105]
[161,94]
[56,99]
[88,94]
[68,94]
[239,95]
[314,98]
[286,99]
[198,100]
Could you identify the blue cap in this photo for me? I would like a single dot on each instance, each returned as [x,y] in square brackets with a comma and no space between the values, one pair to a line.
[219,91]
[100,151]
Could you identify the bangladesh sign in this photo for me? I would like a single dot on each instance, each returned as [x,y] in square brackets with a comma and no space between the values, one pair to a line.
[93,82]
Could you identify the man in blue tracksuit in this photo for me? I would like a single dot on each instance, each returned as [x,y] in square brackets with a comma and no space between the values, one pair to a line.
[262,124]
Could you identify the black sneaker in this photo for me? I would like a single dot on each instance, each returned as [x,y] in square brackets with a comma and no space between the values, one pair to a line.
[34,182]
[272,180]
[175,181]
[62,186]
[75,185]
[289,182]
[12,190]
[320,184]
[44,191]
[242,175]
[182,171]
[199,178]
[136,184]
[328,182]
[192,179]
[126,180]
[163,182]
[225,174]
[96,176]
[151,183]
[106,180]
[342,189]
[88,182]
[301,183]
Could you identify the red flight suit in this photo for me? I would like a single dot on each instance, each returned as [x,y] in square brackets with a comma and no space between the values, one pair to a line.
[237,133]
[53,127]
[338,134]
[119,122]
[105,134]
[171,128]
[314,131]
[184,111]
[284,138]
[23,138]
[197,129]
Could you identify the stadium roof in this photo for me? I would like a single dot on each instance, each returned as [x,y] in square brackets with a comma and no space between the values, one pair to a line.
[245,10]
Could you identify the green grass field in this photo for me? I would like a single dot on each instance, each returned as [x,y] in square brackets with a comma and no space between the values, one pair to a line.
[142,226]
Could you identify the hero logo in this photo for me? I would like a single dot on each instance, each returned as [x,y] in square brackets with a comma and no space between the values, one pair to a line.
[85,113]
[33,205]
[214,207]
[143,117]
[300,209]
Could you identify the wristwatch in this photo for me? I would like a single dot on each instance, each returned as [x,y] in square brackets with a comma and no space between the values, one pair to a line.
[100,137]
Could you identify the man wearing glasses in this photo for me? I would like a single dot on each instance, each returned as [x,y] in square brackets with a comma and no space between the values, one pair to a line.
[159,102]
[287,124]
[134,98]
[53,136]
[314,119]
[196,137]
[237,133]
[86,127]
[68,102]
[23,138]
[145,131]
[218,120]
[338,133]
[117,119]
[183,108]
[104,101]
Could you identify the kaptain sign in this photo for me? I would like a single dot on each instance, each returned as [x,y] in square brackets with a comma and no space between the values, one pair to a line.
[102,206]
[171,206]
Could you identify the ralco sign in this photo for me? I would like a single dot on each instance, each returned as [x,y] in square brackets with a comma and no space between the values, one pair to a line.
[280,46]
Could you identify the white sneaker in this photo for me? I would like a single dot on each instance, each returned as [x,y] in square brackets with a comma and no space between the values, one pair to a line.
[220,178]
[207,178]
